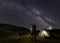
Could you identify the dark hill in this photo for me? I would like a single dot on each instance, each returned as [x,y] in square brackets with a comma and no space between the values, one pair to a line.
[21,30]
[55,30]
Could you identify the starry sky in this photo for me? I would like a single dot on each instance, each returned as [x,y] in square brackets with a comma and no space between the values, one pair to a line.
[25,12]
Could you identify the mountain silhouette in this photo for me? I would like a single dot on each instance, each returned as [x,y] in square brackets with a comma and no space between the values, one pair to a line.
[17,29]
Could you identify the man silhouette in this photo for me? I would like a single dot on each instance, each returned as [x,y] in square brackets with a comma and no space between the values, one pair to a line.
[33,31]
[34,26]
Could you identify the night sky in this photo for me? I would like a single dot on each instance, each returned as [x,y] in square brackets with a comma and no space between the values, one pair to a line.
[25,12]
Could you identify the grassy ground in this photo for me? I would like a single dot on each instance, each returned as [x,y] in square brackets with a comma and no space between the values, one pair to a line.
[12,37]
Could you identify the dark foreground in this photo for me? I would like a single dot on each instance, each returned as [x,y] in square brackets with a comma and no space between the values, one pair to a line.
[28,41]
[12,37]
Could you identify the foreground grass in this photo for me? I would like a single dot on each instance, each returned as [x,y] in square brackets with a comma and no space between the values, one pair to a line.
[12,37]
[22,39]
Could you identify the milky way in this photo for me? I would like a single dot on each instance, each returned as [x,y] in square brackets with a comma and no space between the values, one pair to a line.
[24,12]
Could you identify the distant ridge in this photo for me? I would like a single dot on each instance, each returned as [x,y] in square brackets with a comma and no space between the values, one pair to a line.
[13,28]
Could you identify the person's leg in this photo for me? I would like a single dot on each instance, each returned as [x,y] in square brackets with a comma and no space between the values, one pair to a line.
[30,35]
[34,35]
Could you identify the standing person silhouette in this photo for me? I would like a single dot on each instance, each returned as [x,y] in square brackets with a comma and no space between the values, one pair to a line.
[34,26]
[33,31]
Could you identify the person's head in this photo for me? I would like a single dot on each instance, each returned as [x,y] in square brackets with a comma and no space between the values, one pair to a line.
[31,25]
[34,25]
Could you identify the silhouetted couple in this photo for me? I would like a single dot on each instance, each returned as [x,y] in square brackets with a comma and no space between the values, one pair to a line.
[33,32]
